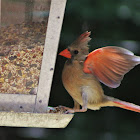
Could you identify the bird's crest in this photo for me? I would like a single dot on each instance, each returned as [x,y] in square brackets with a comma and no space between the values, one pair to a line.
[82,40]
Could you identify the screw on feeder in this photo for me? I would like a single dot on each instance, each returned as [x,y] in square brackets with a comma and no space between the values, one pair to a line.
[51,69]
[21,107]
[40,101]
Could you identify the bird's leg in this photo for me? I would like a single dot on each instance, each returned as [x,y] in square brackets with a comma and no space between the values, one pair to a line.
[77,106]
[85,101]
[71,110]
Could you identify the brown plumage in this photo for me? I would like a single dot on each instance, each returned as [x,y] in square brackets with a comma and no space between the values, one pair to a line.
[83,71]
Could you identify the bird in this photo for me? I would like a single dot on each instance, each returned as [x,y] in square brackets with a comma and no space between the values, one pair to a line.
[84,72]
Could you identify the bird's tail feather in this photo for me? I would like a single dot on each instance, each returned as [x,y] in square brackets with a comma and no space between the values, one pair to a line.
[123,104]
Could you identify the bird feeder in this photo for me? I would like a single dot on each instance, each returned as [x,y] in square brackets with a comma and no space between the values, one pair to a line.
[18,108]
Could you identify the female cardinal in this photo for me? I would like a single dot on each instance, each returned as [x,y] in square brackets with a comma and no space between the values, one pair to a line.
[83,71]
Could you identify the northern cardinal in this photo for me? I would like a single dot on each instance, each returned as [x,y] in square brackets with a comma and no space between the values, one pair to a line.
[83,71]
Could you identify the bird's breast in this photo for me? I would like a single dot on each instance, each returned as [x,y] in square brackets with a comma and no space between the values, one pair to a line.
[75,80]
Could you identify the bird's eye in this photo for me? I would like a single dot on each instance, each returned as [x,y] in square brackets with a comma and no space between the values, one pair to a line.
[68,49]
[76,51]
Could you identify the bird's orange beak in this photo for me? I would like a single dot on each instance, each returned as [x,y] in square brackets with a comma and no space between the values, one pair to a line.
[65,53]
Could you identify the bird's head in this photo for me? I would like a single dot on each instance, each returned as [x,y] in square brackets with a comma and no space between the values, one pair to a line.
[78,50]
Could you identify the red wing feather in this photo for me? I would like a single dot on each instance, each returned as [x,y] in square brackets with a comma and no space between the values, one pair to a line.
[110,64]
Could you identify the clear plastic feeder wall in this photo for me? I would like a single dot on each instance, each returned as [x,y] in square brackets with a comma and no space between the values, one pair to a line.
[22,37]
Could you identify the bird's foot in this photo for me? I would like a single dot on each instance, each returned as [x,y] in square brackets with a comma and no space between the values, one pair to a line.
[75,110]
[58,109]
[66,110]
[72,110]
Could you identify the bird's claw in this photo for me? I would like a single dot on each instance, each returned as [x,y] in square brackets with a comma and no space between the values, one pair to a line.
[58,109]
[66,110]
[69,111]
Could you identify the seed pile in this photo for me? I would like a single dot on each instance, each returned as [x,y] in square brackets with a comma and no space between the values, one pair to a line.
[21,50]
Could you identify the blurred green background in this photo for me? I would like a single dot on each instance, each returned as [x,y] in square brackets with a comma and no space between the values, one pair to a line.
[111,23]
